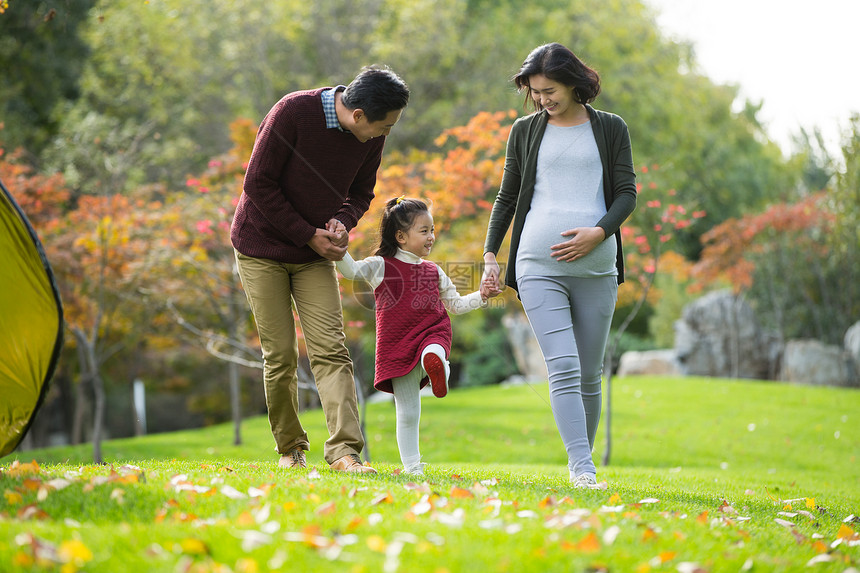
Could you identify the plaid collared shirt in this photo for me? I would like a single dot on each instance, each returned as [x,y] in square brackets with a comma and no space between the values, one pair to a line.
[327,96]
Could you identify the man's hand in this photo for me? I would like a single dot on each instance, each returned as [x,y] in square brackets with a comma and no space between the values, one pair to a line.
[323,242]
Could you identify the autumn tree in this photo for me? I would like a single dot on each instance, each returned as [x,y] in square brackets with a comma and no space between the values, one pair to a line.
[197,280]
[781,259]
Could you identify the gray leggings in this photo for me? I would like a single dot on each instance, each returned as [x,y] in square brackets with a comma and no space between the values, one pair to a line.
[570,317]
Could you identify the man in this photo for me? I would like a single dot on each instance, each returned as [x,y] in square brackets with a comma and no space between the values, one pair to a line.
[309,180]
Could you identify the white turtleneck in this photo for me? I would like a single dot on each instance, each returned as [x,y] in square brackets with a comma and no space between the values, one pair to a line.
[372,271]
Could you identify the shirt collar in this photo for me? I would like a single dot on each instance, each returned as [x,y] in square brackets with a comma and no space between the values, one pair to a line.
[329,110]
[407,257]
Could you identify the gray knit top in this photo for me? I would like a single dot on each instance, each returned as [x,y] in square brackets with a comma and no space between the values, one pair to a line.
[568,194]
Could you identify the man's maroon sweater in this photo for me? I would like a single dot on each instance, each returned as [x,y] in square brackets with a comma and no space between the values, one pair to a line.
[301,174]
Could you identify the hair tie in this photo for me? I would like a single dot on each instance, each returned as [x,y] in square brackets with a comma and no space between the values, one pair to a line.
[399,199]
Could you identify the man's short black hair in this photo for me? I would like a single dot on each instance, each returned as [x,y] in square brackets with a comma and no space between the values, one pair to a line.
[377,91]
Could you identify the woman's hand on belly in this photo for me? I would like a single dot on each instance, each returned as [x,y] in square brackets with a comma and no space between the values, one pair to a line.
[582,241]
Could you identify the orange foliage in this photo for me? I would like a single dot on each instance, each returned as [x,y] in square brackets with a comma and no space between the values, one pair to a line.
[459,183]
[731,248]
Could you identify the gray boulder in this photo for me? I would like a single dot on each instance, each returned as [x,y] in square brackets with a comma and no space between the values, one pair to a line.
[813,362]
[527,353]
[718,335]
[852,344]
[653,362]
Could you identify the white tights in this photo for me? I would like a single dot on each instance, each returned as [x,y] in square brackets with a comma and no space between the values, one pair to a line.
[407,405]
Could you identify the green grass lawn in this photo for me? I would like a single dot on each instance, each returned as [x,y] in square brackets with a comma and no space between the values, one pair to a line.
[706,475]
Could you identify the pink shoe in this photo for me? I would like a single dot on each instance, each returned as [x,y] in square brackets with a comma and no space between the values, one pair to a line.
[435,368]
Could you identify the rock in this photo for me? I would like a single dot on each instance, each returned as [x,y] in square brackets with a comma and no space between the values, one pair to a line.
[718,335]
[852,344]
[813,362]
[655,362]
[527,353]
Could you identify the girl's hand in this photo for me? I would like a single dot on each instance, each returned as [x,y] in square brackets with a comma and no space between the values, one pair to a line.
[341,238]
[583,241]
[491,276]
[488,289]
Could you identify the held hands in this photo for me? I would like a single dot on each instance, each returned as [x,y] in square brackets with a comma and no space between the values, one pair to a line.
[338,229]
[583,241]
[491,284]
[331,242]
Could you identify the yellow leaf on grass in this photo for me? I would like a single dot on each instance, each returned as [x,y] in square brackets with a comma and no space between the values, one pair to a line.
[649,534]
[845,532]
[614,499]
[22,559]
[17,469]
[376,543]
[193,546]
[354,523]
[74,551]
[667,556]
[810,503]
[245,519]
[703,517]
[289,505]
[13,497]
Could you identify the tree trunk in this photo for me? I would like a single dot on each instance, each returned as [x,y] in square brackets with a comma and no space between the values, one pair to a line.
[235,402]
[610,351]
[77,436]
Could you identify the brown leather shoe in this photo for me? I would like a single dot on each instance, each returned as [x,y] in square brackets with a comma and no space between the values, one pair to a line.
[293,459]
[351,463]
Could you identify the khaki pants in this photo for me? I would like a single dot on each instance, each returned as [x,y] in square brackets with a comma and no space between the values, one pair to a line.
[272,288]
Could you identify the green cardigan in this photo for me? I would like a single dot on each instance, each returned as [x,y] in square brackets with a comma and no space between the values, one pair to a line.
[518,182]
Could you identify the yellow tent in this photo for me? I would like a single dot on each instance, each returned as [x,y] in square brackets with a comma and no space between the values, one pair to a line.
[31,323]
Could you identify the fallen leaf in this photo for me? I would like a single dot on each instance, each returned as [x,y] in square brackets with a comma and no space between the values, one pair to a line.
[384,498]
[703,517]
[784,523]
[548,501]
[232,492]
[649,500]
[845,532]
[326,508]
[13,497]
[611,534]
[17,469]
[589,544]
[810,503]
[459,492]
[376,543]
[614,499]
[821,558]
[75,552]
[192,546]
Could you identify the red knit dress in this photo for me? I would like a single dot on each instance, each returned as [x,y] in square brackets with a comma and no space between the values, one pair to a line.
[409,316]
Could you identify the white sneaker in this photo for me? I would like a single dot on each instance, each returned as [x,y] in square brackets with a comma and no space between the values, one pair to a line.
[587,481]
[415,470]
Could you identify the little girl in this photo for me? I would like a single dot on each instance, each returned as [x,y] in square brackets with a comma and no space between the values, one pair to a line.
[413,331]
